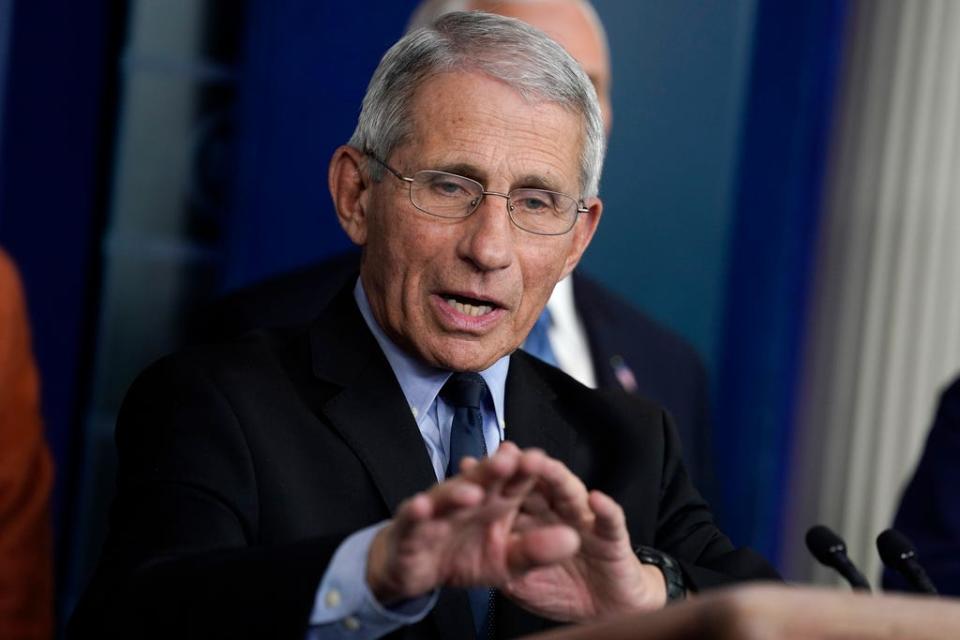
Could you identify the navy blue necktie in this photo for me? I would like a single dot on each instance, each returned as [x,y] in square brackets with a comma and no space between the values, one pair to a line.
[464,392]
[537,343]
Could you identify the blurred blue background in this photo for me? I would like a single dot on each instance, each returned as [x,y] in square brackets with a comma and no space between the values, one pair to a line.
[156,153]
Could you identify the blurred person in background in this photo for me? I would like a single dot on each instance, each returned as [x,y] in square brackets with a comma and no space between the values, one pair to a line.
[929,512]
[26,476]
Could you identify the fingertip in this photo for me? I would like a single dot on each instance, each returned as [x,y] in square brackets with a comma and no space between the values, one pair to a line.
[421,505]
[468,492]
[533,452]
[554,470]
[508,445]
[533,461]
[416,507]
[610,518]
[467,463]
[569,541]
[454,494]
[600,502]
[544,546]
[504,461]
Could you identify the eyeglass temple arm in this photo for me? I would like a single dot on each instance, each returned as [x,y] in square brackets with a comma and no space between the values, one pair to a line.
[387,167]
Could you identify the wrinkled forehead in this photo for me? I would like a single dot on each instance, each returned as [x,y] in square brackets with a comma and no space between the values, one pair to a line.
[469,118]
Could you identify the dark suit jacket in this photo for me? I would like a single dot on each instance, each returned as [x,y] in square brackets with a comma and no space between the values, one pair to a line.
[242,466]
[929,512]
[667,370]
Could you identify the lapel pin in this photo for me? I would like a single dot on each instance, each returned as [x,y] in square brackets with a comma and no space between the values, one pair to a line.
[623,373]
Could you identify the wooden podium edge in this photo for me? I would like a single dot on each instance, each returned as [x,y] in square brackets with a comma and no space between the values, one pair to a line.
[761,612]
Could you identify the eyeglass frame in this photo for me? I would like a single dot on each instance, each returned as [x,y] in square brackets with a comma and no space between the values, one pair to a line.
[580,204]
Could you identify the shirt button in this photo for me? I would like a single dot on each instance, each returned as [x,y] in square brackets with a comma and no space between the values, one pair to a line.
[332,598]
[414,411]
[351,623]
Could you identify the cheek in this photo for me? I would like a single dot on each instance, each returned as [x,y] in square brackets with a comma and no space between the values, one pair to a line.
[543,264]
[406,260]
[385,264]
[544,260]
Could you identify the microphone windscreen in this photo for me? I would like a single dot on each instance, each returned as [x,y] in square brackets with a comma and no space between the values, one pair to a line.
[894,548]
[823,543]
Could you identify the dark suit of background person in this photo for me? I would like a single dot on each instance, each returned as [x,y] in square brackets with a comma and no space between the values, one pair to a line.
[26,476]
[628,349]
[296,416]
[661,366]
[929,512]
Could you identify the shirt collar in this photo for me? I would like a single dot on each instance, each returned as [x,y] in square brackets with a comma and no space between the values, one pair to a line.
[420,382]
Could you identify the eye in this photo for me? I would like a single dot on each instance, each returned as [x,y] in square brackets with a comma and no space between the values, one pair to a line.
[533,202]
[448,187]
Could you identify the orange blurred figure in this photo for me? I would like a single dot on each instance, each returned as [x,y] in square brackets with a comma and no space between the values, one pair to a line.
[26,476]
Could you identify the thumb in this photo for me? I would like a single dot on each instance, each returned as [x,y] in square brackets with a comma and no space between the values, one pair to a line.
[540,547]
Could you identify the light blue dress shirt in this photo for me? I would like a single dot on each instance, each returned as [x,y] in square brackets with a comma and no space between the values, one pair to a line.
[344,606]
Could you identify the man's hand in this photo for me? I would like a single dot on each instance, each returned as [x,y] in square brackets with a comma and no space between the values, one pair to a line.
[604,577]
[462,532]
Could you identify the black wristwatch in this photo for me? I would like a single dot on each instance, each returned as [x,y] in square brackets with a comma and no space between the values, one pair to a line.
[668,566]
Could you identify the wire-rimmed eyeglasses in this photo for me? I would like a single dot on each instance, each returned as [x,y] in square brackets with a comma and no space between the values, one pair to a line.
[448,195]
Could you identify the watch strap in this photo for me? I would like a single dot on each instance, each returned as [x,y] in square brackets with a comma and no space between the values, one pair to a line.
[670,568]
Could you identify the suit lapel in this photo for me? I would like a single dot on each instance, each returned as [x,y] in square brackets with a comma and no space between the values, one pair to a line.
[370,413]
[531,415]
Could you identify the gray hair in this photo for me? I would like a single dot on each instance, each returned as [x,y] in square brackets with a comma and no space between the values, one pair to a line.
[503,48]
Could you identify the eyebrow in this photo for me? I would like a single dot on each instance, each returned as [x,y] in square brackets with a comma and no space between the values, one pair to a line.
[529,181]
[465,170]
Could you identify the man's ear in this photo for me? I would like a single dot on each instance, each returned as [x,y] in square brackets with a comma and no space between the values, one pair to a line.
[583,232]
[350,189]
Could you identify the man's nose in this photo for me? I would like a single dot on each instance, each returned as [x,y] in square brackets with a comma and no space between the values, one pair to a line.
[489,234]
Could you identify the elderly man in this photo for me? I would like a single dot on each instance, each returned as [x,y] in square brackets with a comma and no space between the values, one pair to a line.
[586,330]
[397,466]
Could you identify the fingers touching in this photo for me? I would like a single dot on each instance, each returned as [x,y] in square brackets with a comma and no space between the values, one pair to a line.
[500,517]
[542,546]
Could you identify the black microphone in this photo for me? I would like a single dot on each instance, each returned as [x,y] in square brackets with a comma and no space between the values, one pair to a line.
[898,553]
[830,550]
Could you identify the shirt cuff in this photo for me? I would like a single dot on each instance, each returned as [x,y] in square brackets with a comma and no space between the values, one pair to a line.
[344,607]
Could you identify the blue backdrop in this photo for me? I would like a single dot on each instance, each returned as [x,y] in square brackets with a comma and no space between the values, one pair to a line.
[787,123]
[307,67]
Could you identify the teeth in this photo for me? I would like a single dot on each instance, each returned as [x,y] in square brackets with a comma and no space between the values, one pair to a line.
[469,309]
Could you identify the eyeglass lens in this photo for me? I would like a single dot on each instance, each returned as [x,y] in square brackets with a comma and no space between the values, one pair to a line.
[451,196]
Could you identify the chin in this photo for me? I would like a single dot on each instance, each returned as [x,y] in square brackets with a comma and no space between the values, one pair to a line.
[467,356]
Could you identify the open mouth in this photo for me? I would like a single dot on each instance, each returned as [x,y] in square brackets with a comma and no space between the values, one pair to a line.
[469,306]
